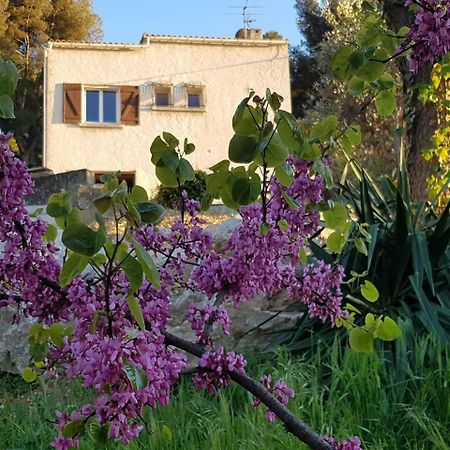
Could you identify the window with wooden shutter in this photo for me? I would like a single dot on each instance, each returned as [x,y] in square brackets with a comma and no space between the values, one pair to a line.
[72,103]
[129,105]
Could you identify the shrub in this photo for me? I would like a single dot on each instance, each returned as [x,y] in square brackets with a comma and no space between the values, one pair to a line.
[170,196]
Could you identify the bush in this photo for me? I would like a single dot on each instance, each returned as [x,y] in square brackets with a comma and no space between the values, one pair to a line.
[170,197]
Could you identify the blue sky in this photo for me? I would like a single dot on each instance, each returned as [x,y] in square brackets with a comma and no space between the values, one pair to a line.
[125,21]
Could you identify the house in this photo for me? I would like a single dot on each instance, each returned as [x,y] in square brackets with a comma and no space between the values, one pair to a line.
[104,103]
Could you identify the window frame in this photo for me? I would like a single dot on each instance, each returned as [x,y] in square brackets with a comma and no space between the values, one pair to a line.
[166,89]
[198,90]
[100,90]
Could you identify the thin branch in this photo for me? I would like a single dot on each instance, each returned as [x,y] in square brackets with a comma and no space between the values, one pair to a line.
[292,423]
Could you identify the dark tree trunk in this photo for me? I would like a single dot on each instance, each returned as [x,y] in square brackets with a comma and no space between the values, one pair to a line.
[420,120]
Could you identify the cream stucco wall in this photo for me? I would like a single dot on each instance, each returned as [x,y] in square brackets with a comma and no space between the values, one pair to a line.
[227,69]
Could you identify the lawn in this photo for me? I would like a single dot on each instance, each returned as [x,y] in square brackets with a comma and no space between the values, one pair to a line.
[405,406]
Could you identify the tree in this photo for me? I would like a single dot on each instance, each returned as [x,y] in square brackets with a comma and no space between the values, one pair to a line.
[304,69]
[30,24]
[420,120]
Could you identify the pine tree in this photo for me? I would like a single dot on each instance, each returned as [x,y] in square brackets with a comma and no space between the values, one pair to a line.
[25,27]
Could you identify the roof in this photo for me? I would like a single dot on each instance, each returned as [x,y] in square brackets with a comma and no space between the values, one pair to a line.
[147,39]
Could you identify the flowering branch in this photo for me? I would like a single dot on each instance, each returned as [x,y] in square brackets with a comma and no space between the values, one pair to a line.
[292,423]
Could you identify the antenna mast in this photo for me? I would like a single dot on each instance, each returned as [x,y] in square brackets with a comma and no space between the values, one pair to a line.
[246,19]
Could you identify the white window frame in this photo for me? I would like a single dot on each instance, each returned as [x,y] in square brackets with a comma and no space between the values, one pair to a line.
[100,89]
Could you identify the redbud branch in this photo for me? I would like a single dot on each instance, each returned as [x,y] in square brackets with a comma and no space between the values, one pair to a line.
[292,423]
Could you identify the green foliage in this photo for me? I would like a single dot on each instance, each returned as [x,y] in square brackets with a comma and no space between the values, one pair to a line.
[9,78]
[172,169]
[170,197]
[408,257]
[436,93]
[405,392]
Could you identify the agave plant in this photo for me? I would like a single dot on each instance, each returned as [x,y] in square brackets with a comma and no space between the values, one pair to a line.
[408,255]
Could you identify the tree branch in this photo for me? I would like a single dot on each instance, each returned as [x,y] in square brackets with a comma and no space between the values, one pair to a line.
[292,423]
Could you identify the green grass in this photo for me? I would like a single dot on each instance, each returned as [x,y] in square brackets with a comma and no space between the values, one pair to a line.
[401,407]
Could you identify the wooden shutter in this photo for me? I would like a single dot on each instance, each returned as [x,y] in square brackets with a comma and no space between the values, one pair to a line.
[72,103]
[129,105]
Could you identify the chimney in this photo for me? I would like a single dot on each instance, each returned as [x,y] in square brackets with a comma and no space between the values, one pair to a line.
[249,33]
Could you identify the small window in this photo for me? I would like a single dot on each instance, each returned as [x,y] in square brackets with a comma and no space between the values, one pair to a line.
[194,100]
[101,106]
[195,97]
[163,96]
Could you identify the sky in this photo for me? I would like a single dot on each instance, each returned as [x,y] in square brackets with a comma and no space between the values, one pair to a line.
[126,21]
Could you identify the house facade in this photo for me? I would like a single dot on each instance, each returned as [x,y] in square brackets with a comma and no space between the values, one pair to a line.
[105,103]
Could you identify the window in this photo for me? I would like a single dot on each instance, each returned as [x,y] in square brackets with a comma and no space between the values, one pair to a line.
[195,97]
[101,106]
[163,96]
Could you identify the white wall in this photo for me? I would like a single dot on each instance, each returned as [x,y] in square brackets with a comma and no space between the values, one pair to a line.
[228,71]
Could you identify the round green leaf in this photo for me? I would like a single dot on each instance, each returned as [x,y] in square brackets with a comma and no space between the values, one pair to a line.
[29,375]
[361,340]
[81,239]
[340,64]
[242,149]
[369,291]
[150,212]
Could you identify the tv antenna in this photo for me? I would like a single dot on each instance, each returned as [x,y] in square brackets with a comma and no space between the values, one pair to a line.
[246,19]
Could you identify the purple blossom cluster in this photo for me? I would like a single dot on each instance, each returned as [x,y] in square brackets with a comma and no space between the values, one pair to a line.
[25,259]
[201,317]
[353,443]
[281,392]
[254,262]
[215,368]
[319,289]
[429,35]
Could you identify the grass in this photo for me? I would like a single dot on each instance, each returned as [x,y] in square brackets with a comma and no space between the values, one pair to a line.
[405,406]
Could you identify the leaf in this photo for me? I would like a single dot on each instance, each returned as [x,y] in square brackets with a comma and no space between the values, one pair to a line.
[369,291]
[388,330]
[51,234]
[385,103]
[9,77]
[361,246]
[336,242]
[283,176]
[353,133]
[167,433]
[188,147]
[171,140]
[29,375]
[59,205]
[103,203]
[135,309]
[81,239]
[73,428]
[74,266]
[336,218]
[245,190]
[371,71]
[138,194]
[242,149]
[137,376]
[166,176]
[356,86]
[325,128]
[6,107]
[361,340]
[133,271]
[247,119]
[340,64]
[148,265]
[185,171]
[150,212]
